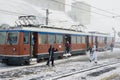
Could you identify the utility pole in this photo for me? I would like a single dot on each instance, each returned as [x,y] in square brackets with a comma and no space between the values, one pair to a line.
[47,13]
[114,33]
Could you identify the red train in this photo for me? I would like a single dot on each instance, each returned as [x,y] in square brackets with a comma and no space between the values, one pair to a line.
[18,45]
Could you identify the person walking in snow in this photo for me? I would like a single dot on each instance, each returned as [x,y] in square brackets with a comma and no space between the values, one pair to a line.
[93,54]
[51,51]
[111,47]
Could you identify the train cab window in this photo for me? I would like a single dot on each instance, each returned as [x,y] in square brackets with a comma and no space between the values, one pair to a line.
[42,39]
[26,37]
[12,37]
[59,39]
[2,37]
[51,39]
[73,38]
[83,39]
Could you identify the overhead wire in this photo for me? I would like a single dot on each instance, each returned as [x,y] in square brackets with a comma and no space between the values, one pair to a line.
[82,9]
[100,9]
[17,13]
[12,13]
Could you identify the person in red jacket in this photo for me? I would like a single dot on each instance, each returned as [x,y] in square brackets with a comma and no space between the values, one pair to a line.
[67,47]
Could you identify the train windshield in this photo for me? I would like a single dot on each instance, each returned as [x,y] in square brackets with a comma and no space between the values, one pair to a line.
[2,37]
[12,38]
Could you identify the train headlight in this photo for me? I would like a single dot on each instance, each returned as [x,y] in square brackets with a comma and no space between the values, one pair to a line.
[14,49]
[60,46]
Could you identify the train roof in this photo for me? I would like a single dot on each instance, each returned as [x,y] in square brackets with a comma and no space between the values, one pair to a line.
[45,29]
[51,29]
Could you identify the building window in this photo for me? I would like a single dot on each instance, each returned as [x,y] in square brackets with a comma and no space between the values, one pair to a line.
[2,37]
[59,39]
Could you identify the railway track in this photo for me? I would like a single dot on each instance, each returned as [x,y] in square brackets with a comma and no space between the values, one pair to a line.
[38,68]
[87,70]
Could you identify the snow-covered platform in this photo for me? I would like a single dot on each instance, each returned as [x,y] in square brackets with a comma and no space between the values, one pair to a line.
[70,64]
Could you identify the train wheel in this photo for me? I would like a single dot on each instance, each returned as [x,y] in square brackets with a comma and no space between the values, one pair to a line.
[27,62]
[38,60]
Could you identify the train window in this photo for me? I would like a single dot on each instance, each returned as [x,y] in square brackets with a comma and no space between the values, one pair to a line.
[83,39]
[2,37]
[78,39]
[42,39]
[105,40]
[12,38]
[26,37]
[100,39]
[109,40]
[73,39]
[93,39]
[90,39]
[51,39]
[59,39]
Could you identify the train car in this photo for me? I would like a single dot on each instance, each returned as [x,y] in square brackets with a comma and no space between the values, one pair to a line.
[102,40]
[19,44]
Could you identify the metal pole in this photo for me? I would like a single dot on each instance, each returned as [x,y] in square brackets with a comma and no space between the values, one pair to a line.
[31,44]
[114,33]
[47,13]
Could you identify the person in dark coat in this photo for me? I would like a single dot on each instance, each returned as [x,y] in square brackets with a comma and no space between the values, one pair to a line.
[111,46]
[51,51]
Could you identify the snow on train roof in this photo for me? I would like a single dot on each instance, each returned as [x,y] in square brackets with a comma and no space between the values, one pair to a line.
[44,29]
[54,30]
[100,34]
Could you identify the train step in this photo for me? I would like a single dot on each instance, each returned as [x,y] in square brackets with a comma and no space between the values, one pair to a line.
[33,60]
[67,55]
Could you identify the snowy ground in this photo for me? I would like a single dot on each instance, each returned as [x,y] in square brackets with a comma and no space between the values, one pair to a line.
[42,72]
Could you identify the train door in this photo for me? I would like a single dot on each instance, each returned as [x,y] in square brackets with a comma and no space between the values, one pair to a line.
[96,41]
[2,42]
[105,40]
[33,43]
[26,43]
[66,38]
[87,41]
